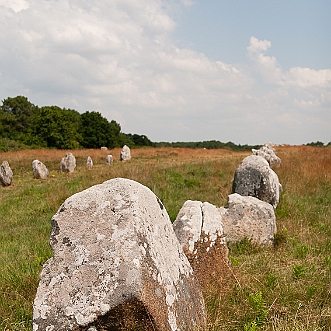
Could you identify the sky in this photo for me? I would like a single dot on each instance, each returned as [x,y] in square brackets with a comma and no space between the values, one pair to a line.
[249,72]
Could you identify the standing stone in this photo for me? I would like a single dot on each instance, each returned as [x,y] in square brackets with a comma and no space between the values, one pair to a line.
[199,230]
[116,265]
[89,163]
[39,170]
[109,159]
[6,174]
[68,163]
[268,152]
[255,178]
[125,153]
[103,148]
[249,217]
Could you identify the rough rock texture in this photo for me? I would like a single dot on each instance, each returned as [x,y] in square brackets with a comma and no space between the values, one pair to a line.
[68,163]
[103,148]
[89,163]
[199,229]
[6,174]
[39,170]
[248,217]
[268,152]
[109,159]
[125,154]
[116,260]
[255,178]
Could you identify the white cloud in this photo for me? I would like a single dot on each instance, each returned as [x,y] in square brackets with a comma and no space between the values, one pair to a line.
[272,71]
[256,45]
[118,57]
[187,3]
[15,5]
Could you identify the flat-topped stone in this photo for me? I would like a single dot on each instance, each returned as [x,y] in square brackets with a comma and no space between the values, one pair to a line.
[199,229]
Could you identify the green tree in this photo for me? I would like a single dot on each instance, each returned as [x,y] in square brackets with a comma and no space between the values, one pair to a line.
[16,117]
[139,140]
[56,127]
[94,130]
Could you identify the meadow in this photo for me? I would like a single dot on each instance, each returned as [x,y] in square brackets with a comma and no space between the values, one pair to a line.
[285,288]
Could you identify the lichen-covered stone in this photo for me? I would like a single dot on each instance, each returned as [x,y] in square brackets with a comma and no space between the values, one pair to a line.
[109,159]
[267,151]
[248,218]
[116,260]
[89,163]
[39,170]
[68,163]
[199,229]
[125,154]
[6,174]
[254,177]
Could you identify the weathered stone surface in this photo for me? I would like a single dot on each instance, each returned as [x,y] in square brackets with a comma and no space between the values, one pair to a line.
[39,170]
[116,260]
[6,174]
[125,154]
[267,151]
[248,217]
[109,159]
[68,163]
[103,148]
[255,178]
[199,230]
[89,163]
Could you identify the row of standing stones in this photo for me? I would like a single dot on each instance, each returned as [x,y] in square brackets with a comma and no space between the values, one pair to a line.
[67,164]
[119,263]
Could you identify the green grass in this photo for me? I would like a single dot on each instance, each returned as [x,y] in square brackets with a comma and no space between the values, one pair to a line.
[285,288]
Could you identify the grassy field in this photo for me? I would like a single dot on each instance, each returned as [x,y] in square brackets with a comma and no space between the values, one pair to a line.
[287,287]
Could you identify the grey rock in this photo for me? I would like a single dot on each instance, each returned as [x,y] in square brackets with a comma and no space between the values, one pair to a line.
[199,229]
[109,159]
[125,154]
[267,151]
[103,148]
[39,170]
[248,217]
[68,163]
[89,163]
[6,174]
[254,177]
[116,258]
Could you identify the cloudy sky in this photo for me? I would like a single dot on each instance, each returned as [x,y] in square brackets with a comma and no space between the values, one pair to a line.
[176,70]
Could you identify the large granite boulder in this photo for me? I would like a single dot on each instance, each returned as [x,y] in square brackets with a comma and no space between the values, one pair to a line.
[39,170]
[125,154]
[267,151]
[248,218]
[116,263]
[6,174]
[89,163]
[254,177]
[68,163]
[199,229]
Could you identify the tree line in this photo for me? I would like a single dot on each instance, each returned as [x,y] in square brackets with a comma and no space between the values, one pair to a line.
[24,125]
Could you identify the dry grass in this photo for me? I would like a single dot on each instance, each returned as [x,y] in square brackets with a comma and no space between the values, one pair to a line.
[284,288]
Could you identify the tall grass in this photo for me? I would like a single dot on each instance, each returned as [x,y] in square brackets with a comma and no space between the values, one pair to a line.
[284,288]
